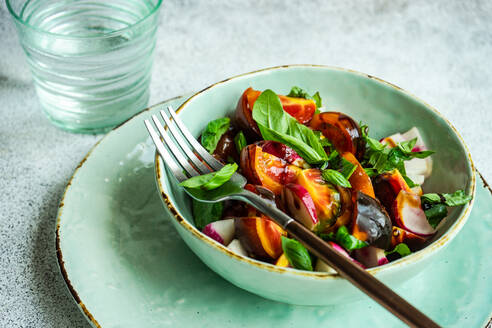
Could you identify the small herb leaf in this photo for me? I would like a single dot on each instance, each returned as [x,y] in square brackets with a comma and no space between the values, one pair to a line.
[297,92]
[213,132]
[211,180]
[240,141]
[435,214]
[336,178]
[347,168]
[379,158]
[457,198]
[297,254]
[205,213]
[345,239]
[407,146]
[317,99]
[340,164]
[398,252]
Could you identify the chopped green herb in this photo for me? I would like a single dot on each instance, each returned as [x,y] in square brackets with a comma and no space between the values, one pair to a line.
[317,99]
[434,205]
[340,164]
[371,172]
[213,132]
[345,239]
[240,141]
[435,214]
[297,92]
[378,158]
[277,125]
[407,146]
[325,142]
[211,180]
[336,178]
[457,198]
[347,168]
[297,254]
[398,252]
[409,182]
[205,213]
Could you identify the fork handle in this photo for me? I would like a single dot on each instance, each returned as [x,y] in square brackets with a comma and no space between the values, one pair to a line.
[360,278]
[344,266]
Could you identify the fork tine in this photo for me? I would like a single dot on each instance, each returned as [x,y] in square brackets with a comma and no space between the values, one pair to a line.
[184,146]
[168,159]
[209,159]
[174,150]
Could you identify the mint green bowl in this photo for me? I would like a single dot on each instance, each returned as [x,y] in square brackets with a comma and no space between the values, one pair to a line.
[387,109]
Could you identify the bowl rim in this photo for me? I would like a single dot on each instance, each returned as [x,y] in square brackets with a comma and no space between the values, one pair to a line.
[414,257]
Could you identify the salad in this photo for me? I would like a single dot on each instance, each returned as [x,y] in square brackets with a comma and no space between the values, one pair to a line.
[361,195]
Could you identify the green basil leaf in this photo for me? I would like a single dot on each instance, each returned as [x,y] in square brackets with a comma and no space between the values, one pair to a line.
[435,214]
[398,252]
[306,152]
[240,141]
[378,158]
[457,198]
[325,142]
[211,180]
[432,198]
[334,158]
[380,161]
[422,154]
[345,239]
[407,146]
[297,92]
[371,172]
[409,181]
[297,254]
[347,168]
[374,144]
[205,213]
[317,99]
[370,142]
[401,249]
[396,160]
[277,125]
[434,205]
[213,132]
[336,178]
[337,162]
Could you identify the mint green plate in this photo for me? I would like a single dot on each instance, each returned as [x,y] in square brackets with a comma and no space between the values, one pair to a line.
[126,266]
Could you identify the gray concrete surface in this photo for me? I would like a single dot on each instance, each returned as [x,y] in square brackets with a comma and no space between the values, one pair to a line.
[440,51]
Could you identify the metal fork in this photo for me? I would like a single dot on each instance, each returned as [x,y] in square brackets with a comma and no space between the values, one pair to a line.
[190,159]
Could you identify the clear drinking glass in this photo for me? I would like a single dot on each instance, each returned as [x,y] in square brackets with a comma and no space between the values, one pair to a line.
[90,60]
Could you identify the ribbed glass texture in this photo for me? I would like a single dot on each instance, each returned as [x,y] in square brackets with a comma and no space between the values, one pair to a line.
[90,60]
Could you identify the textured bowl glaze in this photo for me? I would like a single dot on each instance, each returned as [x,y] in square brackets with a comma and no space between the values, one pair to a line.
[387,109]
